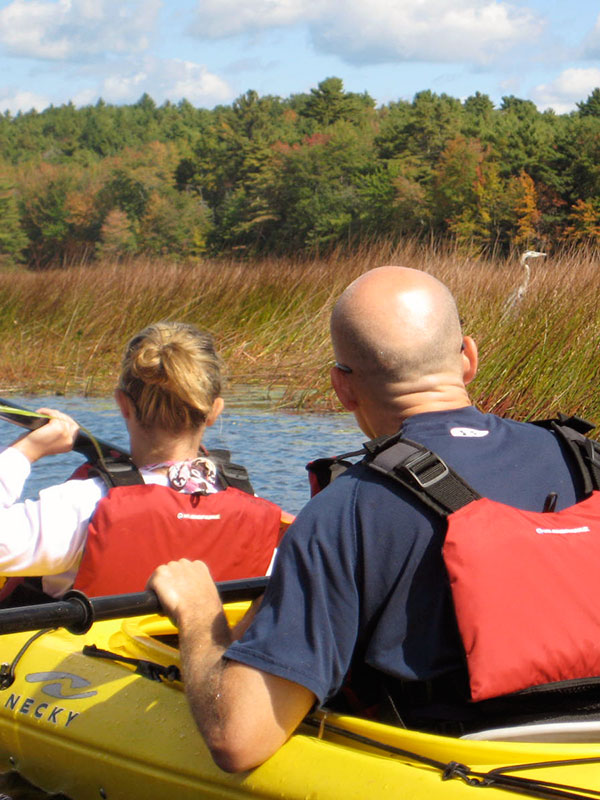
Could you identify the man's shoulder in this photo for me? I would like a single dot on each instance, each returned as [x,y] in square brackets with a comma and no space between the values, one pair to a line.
[358,492]
[448,430]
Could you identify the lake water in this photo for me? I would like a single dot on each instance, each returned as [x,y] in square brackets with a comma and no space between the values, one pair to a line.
[274,446]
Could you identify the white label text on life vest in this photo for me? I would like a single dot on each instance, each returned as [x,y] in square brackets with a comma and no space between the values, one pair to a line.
[583,529]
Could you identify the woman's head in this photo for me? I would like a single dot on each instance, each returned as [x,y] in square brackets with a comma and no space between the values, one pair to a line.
[172,374]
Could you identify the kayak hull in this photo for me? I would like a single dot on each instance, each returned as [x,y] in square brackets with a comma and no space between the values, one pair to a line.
[91,728]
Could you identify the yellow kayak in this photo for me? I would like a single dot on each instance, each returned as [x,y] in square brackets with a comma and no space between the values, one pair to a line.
[94,727]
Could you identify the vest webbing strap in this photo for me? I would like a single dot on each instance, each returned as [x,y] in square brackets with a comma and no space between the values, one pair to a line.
[119,471]
[422,472]
[584,452]
[230,474]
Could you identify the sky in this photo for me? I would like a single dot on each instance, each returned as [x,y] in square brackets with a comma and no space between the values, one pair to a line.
[212,51]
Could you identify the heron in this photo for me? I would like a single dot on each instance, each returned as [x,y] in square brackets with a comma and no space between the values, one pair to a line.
[512,303]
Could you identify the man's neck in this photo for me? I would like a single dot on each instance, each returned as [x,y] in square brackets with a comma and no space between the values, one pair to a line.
[387,417]
[409,407]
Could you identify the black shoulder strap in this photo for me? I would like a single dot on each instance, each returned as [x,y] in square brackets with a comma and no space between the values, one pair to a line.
[585,452]
[421,471]
[116,471]
[230,474]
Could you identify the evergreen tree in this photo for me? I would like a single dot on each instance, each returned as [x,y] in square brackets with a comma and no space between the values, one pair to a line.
[328,103]
[13,239]
[591,106]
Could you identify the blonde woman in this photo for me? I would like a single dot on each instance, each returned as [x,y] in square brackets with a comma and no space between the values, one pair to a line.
[172,501]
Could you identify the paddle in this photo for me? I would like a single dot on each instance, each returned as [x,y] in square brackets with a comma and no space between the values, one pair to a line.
[83,443]
[76,612]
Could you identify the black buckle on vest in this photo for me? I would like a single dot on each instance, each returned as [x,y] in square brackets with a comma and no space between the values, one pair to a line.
[426,469]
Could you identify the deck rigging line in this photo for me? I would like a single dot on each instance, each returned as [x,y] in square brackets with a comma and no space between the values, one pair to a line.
[496,778]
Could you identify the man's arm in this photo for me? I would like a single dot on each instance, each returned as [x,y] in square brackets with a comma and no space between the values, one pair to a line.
[244,714]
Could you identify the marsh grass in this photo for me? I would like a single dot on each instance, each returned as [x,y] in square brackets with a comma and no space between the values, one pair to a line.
[63,331]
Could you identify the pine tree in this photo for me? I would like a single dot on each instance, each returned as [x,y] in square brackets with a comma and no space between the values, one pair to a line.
[13,239]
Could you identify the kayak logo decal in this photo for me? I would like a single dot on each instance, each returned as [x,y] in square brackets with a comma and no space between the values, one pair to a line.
[49,712]
[55,689]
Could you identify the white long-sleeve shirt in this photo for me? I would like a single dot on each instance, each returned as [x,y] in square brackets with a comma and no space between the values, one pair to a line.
[47,536]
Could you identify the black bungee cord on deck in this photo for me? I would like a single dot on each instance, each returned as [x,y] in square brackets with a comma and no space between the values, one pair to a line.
[495,778]
[148,669]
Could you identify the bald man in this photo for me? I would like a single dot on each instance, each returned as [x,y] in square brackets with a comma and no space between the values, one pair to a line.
[358,605]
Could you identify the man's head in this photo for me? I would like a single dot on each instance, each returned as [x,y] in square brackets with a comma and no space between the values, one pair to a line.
[398,331]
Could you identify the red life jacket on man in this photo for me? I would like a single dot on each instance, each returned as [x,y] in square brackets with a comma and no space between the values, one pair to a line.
[524,583]
[134,529]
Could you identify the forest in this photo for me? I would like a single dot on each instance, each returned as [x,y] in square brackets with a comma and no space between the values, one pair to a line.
[271,176]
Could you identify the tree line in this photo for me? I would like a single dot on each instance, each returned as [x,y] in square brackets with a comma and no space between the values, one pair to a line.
[271,175]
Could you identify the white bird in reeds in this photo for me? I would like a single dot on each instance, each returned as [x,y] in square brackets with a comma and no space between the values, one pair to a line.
[512,303]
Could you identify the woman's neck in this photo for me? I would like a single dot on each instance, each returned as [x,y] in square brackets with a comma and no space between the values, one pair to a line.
[158,446]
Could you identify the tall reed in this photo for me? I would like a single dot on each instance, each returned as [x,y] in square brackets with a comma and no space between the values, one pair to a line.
[63,331]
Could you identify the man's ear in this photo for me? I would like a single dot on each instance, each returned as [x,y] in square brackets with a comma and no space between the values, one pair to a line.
[342,386]
[470,358]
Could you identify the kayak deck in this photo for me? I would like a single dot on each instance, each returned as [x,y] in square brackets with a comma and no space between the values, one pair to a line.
[90,728]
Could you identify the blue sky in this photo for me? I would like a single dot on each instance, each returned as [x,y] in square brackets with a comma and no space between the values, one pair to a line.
[212,51]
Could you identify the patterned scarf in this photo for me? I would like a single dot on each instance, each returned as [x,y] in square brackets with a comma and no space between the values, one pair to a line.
[195,475]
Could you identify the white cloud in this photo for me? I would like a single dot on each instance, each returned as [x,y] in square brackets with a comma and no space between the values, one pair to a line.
[215,19]
[184,79]
[163,79]
[571,86]
[15,101]
[76,29]
[382,31]
[437,30]
[85,97]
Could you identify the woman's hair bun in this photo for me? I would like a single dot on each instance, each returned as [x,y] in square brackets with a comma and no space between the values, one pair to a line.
[172,373]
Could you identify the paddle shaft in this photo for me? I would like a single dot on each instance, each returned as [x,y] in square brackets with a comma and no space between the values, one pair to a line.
[76,612]
[83,444]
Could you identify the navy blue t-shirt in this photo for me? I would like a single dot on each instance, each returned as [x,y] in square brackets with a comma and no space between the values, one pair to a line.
[361,569]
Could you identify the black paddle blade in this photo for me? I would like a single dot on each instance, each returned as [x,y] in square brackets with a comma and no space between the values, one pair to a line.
[31,423]
[83,443]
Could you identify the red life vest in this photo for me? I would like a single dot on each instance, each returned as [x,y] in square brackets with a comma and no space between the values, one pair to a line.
[134,529]
[525,584]
[526,591]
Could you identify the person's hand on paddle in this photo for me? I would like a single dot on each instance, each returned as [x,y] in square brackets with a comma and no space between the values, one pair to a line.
[189,597]
[56,436]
